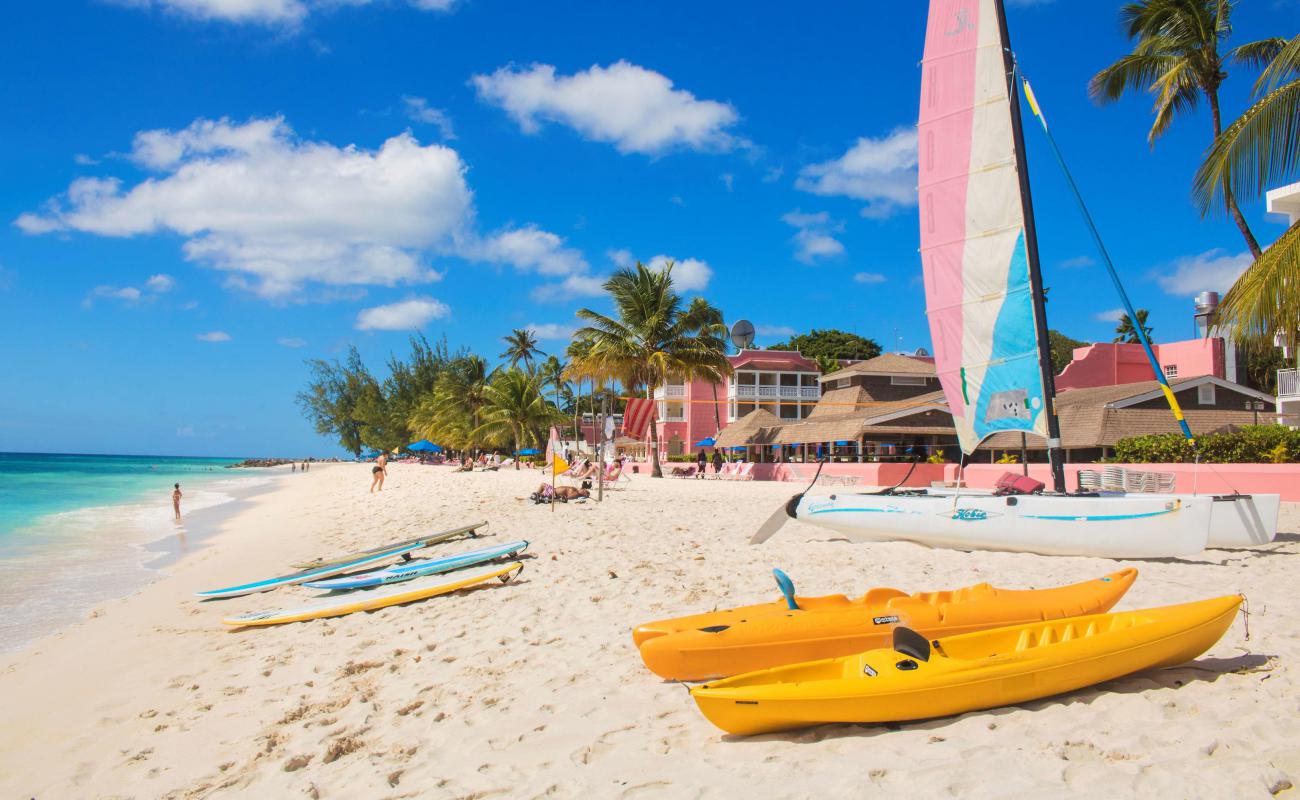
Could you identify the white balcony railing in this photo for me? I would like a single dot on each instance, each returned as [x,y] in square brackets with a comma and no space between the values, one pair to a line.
[784,392]
[670,391]
[1288,383]
[810,392]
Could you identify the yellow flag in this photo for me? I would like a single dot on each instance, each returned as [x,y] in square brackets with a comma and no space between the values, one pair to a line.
[558,465]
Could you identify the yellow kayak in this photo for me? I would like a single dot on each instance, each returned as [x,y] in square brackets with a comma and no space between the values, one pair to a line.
[798,629]
[371,599]
[917,678]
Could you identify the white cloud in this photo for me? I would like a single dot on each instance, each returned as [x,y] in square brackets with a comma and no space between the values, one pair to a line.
[775,331]
[411,314]
[773,174]
[620,257]
[813,239]
[127,294]
[880,171]
[530,249]
[292,342]
[570,287]
[729,181]
[635,109]
[1213,270]
[281,13]
[418,109]
[1111,315]
[213,336]
[83,160]
[160,283]
[551,330]
[689,274]
[278,212]
[1078,262]
[869,277]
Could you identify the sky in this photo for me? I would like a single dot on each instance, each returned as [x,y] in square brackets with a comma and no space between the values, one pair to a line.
[199,195]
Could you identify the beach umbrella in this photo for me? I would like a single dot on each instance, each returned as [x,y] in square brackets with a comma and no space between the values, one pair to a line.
[705,442]
[843,444]
[424,446]
[531,451]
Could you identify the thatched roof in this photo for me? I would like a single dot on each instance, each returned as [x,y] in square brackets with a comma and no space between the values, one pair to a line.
[756,427]
[884,364]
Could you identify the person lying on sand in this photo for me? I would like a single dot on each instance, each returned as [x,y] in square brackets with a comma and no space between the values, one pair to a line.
[550,494]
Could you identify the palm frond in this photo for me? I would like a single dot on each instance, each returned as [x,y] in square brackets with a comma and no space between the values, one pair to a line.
[1258,54]
[1259,149]
[1265,300]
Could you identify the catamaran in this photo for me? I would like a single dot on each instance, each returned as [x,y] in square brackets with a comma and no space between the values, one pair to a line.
[988,324]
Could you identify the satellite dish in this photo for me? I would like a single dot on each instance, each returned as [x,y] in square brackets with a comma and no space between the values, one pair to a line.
[921,352]
[742,334]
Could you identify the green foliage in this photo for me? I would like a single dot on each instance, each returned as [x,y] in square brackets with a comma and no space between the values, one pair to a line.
[1252,444]
[937,457]
[1127,333]
[1262,361]
[450,414]
[333,396]
[832,344]
[1062,348]
[1008,458]
[515,413]
[521,345]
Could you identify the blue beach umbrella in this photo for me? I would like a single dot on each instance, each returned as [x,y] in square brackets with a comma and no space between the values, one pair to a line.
[424,446]
[843,444]
[531,451]
[708,441]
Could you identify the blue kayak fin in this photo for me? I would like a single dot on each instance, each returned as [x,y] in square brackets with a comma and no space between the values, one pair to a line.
[786,586]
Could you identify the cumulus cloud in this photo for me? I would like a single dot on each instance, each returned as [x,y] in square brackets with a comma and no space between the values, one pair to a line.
[1111,315]
[411,314]
[1078,262]
[529,249]
[419,110]
[127,294]
[292,342]
[551,330]
[813,237]
[689,274]
[213,336]
[869,277]
[278,212]
[160,283]
[1214,270]
[569,288]
[635,109]
[280,13]
[880,171]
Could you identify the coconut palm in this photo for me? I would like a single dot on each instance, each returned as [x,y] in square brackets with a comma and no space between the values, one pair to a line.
[452,413]
[719,368]
[1260,149]
[515,410]
[1176,58]
[578,351]
[521,345]
[551,373]
[1127,333]
[652,338]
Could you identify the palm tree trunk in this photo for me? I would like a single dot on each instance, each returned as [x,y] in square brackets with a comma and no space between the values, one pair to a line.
[1228,199]
[656,471]
[517,448]
[717,418]
[577,402]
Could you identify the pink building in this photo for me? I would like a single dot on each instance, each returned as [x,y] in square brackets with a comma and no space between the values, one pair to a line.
[1110,364]
[784,383]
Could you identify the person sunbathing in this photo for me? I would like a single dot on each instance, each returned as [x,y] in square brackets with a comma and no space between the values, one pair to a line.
[564,494]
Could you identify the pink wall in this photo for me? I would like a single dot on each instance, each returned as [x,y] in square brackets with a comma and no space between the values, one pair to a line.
[1110,364]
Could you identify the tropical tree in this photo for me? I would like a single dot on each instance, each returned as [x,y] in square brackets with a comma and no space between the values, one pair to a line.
[515,410]
[333,395]
[831,343]
[652,338]
[1260,149]
[454,411]
[578,351]
[1062,349]
[1127,333]
[552,375]
[1176,58]
[719,368]
[521,345]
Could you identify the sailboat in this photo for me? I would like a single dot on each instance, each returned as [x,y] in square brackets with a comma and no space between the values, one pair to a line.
[988,324]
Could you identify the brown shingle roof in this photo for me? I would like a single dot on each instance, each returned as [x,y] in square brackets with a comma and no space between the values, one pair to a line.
[1088,426]
[885,364]
[756,427]
[849,424]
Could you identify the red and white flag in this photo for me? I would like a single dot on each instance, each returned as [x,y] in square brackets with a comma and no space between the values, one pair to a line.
[637,417]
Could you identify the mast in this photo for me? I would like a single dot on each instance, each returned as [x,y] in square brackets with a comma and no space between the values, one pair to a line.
[1054,454]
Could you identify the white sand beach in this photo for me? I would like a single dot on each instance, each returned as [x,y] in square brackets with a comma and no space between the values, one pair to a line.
[534,688]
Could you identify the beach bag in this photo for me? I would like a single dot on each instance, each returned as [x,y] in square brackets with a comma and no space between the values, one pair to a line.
[1011,483]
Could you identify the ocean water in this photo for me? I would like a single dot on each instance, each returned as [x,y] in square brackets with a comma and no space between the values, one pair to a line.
[76,530]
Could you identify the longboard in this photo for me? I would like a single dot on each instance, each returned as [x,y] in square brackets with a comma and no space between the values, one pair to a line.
[311,574]
[421,567]
[380,598]
[428,539]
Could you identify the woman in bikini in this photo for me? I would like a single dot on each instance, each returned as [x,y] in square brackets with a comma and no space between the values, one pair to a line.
[176,500]
[378,472]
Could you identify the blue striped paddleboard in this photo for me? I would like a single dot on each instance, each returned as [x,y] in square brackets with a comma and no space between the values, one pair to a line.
[419,567]
[312,574]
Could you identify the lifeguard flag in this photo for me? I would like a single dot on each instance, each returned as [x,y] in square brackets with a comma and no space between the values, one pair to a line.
[637,417]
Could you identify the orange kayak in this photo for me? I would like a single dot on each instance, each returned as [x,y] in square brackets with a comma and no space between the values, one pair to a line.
[748,638]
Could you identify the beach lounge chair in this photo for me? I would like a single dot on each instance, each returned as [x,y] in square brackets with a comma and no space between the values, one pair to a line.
[743,473]
[728,470]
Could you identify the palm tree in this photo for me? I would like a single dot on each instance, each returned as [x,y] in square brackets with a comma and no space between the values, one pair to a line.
[1260,149]
[551,372]
[1126,333]
[452,413]
[521,345]
[720,368]
[578,351]
[653,337]
[1176,58]
[515,410]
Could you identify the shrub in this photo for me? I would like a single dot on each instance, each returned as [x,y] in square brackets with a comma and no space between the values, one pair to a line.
[937,457]
[1253,444]
[1008,458]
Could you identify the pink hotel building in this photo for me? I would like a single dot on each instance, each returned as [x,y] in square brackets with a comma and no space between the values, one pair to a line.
[784,383]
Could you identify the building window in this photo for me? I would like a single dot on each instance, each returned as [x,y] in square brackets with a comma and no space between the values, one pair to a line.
[1205,394]
[1171,370]
[906,380]
[843,383]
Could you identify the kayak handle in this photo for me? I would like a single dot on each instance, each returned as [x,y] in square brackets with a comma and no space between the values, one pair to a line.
[786,586]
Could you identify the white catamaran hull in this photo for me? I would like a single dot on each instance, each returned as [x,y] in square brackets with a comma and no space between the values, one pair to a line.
[1241,520]
[1123,526]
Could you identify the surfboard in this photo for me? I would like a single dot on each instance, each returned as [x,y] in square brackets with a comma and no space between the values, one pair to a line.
[427,539]
[420,567]
[419,589]
[308,575]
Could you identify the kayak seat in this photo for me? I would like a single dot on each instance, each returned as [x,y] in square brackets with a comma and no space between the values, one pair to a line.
[881,595]
[910,643]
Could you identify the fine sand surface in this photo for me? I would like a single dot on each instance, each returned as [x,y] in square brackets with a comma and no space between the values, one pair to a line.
[534,688]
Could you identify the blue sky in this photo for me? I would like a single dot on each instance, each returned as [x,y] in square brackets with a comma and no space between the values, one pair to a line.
[200,194]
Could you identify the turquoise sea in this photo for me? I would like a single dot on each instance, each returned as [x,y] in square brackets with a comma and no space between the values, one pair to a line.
[76,530]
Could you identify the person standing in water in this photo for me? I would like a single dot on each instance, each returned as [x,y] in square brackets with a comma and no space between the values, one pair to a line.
[378,472]
[176,500]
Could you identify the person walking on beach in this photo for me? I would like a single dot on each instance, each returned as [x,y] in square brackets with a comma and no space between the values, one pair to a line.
[701,463]
[176,500]
[717,462]
[378,472]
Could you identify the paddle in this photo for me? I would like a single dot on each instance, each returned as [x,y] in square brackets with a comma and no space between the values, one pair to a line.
[786,586]
[787,511]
